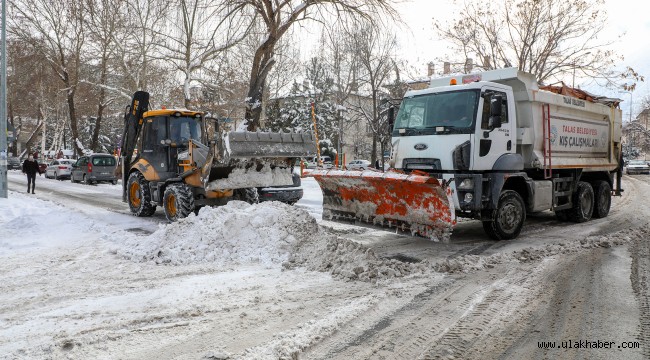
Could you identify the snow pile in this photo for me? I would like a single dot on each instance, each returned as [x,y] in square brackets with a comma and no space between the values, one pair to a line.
[250,177]
[270,233]
[237,233]
[348,260]
[25,218]
[471,263]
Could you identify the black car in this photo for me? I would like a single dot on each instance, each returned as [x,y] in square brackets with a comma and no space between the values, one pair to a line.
[13,163]
[289,194]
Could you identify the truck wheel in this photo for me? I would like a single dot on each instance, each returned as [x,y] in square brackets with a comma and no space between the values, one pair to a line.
[508,218]
[178,201]
[583,203]
[602,199]
[139,195]
[248,195]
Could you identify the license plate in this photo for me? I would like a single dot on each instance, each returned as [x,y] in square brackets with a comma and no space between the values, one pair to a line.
[104,173]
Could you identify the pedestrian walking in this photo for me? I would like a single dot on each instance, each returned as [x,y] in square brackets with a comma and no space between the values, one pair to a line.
[30,167]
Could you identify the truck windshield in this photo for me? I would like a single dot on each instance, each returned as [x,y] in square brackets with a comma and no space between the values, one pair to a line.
[451,112]
[184,128]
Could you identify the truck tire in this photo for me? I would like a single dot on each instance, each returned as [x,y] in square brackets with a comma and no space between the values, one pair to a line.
[602,199]
[139,195]
[583,203]
[178,201]
[248,195]
[508,218]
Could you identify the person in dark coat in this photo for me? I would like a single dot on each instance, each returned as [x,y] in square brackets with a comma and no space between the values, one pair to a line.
[30,167]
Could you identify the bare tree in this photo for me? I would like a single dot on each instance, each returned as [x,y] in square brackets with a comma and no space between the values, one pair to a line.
[344,68]
[278,17]
[102,27]
[54,28]
[28,76]
[375,51]
[200,32]
[549,38]
[136,45]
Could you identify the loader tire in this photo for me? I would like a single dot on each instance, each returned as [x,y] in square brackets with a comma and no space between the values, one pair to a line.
[248,195]
[562,215]
[602,199]
[178,201]
[508,218]
[139,195]
[583,203]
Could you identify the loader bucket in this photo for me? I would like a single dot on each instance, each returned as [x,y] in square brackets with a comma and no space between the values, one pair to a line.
[247,144]
[409,202]
[256,159]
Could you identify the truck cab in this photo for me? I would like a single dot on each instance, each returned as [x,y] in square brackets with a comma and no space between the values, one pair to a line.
[450,129]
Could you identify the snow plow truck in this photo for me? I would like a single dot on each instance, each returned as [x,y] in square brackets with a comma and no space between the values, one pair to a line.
[182,160]
[491,146]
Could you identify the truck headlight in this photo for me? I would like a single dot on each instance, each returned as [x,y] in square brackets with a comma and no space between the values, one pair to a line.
[466,184]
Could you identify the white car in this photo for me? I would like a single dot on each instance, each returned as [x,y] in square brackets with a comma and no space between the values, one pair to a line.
[358,165]
[312,163]
[638,167]
[59,168]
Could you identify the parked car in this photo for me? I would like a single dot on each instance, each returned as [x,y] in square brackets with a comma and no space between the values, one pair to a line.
[312,163]
[358,165]
[95,168]
[14,163]
[287,194]
[42,166]
[638,167]
[59,169]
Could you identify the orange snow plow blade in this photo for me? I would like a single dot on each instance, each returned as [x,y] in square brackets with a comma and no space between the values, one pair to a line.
[413,202]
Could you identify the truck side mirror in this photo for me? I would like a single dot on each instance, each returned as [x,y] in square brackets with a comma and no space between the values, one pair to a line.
[391,118]
[496,104]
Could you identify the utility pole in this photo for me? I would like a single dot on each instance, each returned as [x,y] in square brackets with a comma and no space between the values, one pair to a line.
[3,105]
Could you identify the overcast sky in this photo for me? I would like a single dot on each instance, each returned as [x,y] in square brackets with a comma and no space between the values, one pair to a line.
[420,44]
[626,16]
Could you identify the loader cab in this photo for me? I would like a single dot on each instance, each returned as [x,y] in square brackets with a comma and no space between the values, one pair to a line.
[165,134]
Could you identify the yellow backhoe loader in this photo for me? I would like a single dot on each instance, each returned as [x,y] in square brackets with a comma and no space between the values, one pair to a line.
[181,160]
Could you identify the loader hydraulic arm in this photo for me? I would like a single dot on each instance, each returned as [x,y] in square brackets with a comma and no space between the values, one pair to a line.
[132,126]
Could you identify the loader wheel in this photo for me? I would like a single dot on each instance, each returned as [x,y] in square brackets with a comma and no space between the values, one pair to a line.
[562,215]
[248,195]
[178,201]
[583,203]
[139,195]
[508,218]
[602,199]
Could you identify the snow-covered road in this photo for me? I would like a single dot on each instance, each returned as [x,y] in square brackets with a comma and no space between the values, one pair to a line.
[81,278]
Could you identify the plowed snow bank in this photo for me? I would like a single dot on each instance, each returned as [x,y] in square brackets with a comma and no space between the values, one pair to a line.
[271,233]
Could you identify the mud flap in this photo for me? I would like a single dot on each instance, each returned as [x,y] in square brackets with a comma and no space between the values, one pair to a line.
[409,202]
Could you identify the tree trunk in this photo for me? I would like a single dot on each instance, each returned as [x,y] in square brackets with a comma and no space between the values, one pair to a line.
[73,121]
[100,109]
[262,64]
[98,122]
